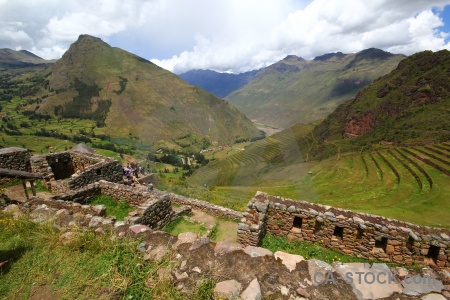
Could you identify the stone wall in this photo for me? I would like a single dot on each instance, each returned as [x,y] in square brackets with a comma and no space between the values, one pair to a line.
[155,212]
[72,170]
[15,159]
[363,235]
[215,210]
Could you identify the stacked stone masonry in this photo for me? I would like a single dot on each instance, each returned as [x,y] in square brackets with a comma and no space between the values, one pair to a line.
[15,159]
[154,206]
[72,170]
[362,235]
[155,212]
[215,210]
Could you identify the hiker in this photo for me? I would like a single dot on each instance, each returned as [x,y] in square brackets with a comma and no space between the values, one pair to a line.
[150,186]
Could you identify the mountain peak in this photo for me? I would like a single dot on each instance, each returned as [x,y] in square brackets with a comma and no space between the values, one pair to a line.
[373,53]
[328,56]
[293,58]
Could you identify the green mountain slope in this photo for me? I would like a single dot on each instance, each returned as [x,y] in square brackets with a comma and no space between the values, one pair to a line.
[295,90]
[409,106]
[132,96]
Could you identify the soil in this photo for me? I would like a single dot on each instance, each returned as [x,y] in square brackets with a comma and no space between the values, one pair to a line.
[203,217]
[43,292]
[18,194]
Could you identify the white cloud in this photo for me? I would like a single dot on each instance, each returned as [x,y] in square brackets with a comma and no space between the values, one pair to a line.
[225,35]
[325,26]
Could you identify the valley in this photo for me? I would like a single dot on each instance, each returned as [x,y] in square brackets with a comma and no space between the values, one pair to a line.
[399,169]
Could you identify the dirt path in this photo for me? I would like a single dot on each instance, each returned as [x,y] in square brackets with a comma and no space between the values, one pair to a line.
[227,230]
[202,217]
[17,193]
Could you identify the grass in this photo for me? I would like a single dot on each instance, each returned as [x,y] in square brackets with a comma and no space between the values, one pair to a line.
[40,187]
[89,266]
[119,209]
[180,225]
[307,250]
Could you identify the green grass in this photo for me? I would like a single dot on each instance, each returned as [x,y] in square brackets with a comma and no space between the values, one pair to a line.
[307,250]
[180,225]
[88,267]
[119,209]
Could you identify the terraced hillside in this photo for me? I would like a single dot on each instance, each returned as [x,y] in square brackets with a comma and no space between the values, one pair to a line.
[406,183]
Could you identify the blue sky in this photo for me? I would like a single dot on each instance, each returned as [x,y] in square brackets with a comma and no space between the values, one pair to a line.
[226,35]
[445,15]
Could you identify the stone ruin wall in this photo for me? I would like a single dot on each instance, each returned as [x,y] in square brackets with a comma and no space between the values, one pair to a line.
[362,235]
[15,159]
[81,169]
[154,206]
[215,210]
[155,212]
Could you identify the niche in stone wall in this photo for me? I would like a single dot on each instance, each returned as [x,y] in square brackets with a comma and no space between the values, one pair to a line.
[298,222]
[318,226]
[381,243]
[338,232]
[359,233]
[410,243]
[433,253]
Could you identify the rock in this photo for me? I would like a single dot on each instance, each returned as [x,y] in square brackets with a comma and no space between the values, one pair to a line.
[199,242]
[369,282]
[181,276]
[284,291]
[62,212]
[11,208]
[433,297]
[99,230]
[224,247]
[183,238]
[143,247]
[417,285]
[100,210]
[197,270]
[229,289]
[95,221]
[289,260]
[257,251]
[317,270]
[183,265]
[139,229]
[157,253]
[252,292]
[301,292]
[119,224]
[402,272]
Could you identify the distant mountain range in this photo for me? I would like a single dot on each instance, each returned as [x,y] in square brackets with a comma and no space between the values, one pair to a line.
[23,58]
[295,90]
[220,84]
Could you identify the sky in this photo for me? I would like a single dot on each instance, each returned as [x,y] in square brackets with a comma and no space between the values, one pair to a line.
[226,35]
